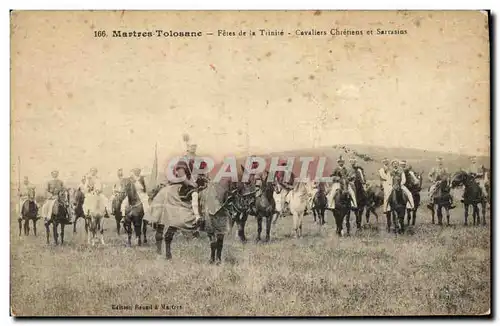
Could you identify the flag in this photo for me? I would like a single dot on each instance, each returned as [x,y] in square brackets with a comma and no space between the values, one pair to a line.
[154,171]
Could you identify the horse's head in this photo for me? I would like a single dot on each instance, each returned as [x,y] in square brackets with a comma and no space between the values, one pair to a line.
[396,182]
[459,178]
[344,186]
[131,191]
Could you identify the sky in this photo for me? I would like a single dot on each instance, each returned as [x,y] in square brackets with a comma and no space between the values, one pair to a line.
[78,101]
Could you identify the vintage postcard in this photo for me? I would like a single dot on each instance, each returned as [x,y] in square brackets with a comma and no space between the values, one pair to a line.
[250,163]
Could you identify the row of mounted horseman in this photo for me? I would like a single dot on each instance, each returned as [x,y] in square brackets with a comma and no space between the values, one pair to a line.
[258,197]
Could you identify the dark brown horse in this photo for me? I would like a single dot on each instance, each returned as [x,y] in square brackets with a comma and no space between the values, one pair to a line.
[134,214]
[342,208]
[361,197]
[397,202]
[264,207]
[29,212]
[60,216]
[252,198]
[214,199]
[442,200]
[374,200]
[414,188]
[473,196]
[116,209]
[319,204]
[76,206]
[243,202]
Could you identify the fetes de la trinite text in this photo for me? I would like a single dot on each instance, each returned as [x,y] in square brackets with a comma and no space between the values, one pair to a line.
[249,33]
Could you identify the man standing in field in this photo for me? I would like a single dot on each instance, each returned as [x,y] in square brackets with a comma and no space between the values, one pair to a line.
[438,174]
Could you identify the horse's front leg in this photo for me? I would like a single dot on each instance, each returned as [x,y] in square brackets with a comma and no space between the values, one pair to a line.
[54,230]
[269,221]
[62,233]
[466,213]
[483,212]
[102,229]
[241,227]
[408,216]
[34,226]
[20,221]
[348,221]
[144,230]
[440,214]
[213,247]
[74,224]
[447,209]
[47,231]
[219,246]
[118,224]
[433,212]
[359,216]
[138,229]
[127,225]
[389,222]
[259,228]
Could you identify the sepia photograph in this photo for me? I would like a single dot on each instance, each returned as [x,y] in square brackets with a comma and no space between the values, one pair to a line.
[304,163]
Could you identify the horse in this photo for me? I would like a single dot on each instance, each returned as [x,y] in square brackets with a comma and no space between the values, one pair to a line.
[397,203]
[281,200]
[116,204]
[241,206]
[342,209]
[374,200]
[134,214]
[29,212]
[442,199]
[94,208]
[174,214]
[473,196]
[319,204]
[77,198]
[298,203]
[60,215]
[265,206]
[361,198]
[414,189]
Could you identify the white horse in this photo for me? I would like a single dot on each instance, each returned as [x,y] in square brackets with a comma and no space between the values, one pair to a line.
[281,197]
[94,208]
[299,197]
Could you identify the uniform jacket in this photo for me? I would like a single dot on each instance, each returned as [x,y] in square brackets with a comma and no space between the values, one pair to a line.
[54,186]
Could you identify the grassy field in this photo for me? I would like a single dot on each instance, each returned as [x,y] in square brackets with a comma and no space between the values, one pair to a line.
[436,270]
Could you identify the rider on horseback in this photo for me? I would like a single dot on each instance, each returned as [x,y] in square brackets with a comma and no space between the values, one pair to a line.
[437,175]
[54,188]
[119,188]
[26,193]
[93,186]
[478,175]
[409,174]
[357,170]
[341,172]
[397,172]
